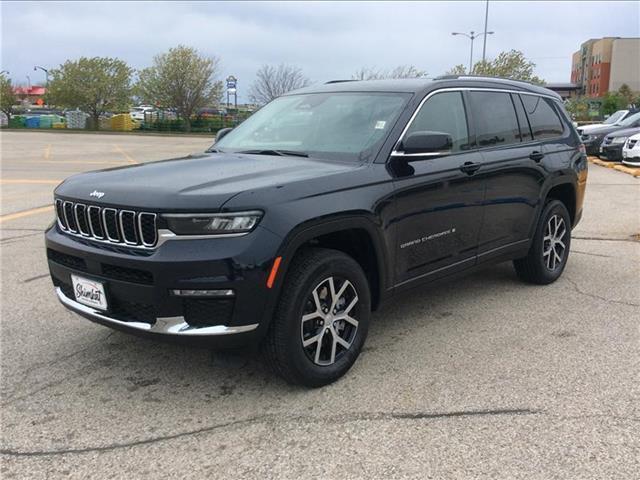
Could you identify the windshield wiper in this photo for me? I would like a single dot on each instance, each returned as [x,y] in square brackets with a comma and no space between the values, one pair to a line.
[280,153]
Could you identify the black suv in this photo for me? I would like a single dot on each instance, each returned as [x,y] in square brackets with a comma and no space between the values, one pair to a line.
[298,223]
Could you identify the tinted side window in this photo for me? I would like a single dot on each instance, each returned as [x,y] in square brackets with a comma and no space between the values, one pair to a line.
[544,120]
[525,130]
[494,118]
[444,112]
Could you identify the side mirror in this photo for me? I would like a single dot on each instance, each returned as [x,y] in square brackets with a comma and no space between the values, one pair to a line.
[427,142]
[221,133]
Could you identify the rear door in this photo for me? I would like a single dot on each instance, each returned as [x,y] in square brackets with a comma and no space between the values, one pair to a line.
[512,170]
[438,199]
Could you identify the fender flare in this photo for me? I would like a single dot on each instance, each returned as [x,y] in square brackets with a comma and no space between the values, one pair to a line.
[322,226]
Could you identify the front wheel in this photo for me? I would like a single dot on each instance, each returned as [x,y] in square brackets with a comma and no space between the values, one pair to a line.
[321,320]
[549,252]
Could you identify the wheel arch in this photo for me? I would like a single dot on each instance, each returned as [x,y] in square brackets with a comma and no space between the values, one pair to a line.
[356,235]
[564,191]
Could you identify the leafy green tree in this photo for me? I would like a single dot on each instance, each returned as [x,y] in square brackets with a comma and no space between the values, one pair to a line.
[274,81]
[457,70]
[578,107]
[511,64]
[94,85]
[612,102]
[7,97]
[182,79]
[628,95]
[401,71]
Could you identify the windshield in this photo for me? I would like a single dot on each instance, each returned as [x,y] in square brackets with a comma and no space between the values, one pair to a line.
[615,117]
[629,121]
[342,126]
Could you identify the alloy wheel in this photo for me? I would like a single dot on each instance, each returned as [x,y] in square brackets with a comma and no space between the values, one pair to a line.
[328,328]
[553,248]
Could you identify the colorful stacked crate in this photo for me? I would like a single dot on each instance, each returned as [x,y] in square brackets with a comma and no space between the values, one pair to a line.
[32,122]
[17,121]
[76,119]
[123,123]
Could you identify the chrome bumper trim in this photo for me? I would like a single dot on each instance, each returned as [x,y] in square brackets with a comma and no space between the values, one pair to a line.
[163,325]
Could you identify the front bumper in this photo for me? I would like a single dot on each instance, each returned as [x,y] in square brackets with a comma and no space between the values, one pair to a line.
[612,153]
[139,285]
[592,147]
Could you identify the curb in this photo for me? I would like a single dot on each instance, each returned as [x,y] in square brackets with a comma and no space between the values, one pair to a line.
[635,172]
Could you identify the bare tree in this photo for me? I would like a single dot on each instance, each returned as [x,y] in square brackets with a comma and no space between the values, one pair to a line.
[273,81]
[401,71]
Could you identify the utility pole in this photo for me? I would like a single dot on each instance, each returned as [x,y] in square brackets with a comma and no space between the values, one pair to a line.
[484,40]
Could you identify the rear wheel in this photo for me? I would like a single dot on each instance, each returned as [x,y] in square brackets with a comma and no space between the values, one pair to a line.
[321,320]
[549,252]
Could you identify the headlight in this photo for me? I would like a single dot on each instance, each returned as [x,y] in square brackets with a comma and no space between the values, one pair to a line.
[213,223]
[619,139]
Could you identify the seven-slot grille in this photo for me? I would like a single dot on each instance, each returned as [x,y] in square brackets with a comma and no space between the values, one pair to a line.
[107,224]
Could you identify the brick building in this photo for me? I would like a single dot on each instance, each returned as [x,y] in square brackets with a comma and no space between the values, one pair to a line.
[604,64]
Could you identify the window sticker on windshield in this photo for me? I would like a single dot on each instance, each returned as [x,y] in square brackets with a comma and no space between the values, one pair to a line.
[380,124]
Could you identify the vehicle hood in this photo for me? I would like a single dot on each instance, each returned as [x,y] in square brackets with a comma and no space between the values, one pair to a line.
[627,132]
[601,131]
[588,128]
[195,183]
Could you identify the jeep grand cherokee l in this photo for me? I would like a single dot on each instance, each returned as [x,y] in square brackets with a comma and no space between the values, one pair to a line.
[328,201]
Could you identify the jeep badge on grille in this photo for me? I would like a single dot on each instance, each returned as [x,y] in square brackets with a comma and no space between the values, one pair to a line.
[96,194]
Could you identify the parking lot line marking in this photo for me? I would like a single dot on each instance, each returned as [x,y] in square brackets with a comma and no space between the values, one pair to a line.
[25,213]
[26,181]
[125,155]
[47,152]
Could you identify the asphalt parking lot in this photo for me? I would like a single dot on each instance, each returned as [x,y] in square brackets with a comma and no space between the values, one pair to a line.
[484,377]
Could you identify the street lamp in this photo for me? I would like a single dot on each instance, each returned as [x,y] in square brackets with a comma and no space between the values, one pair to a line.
[46,73]
[29,81]
[472,36]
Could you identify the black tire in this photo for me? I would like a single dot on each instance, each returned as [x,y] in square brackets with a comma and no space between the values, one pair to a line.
[283,346]
[537,267]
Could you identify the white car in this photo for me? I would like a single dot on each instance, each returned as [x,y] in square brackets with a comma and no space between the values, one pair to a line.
[137,113]
[631,151]
[613,119]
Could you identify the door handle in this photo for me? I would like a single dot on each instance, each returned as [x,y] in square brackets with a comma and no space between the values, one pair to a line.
[536,156]
[469,167]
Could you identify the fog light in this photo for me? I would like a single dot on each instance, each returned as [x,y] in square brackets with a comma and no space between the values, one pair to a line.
[203,293]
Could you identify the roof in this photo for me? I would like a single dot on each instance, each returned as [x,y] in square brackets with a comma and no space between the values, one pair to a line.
[35,90]
[562,86]
[424,86]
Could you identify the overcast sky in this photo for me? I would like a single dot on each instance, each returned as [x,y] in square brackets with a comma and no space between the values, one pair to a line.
[327,40]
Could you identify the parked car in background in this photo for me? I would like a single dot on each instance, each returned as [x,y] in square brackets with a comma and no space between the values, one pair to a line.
[210,112]
[631,151]
[593,140]
[138,113]
[611,148]
[613,119]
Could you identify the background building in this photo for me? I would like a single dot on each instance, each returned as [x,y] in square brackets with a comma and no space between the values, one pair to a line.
[604,64]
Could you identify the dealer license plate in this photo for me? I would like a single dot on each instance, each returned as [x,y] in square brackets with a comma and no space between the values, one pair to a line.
[89,292]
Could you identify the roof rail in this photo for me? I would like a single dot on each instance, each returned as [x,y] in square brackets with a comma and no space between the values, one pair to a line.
[482,77]
[339,81]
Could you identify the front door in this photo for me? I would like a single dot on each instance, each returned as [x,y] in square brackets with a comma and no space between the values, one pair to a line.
[438,199]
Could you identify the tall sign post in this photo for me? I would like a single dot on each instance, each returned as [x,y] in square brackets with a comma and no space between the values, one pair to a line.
[232,84]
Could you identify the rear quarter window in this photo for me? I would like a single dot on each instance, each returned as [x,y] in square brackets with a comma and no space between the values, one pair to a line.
[543,117]
[495,119]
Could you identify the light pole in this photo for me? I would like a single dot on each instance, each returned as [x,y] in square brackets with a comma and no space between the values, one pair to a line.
[29,81]
[46,73]
[484,40]
[472,36]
